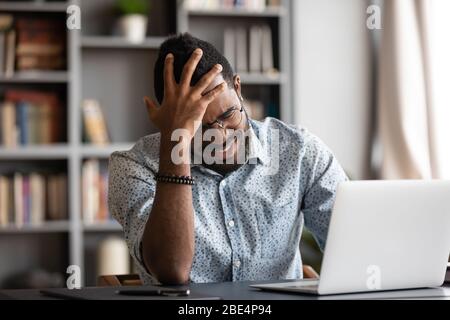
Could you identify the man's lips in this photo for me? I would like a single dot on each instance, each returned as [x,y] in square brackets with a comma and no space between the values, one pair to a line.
[227,147]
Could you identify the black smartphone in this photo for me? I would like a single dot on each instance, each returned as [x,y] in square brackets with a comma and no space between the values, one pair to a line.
[168,292]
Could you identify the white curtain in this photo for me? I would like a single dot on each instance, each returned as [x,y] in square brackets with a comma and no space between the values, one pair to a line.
[414,90]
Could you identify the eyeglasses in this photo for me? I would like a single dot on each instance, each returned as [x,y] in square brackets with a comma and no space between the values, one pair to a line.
[230,119]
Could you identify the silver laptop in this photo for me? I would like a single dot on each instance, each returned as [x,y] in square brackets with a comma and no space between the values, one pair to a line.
[383,235]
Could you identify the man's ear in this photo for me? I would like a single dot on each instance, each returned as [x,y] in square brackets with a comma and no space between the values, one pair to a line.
[237,85]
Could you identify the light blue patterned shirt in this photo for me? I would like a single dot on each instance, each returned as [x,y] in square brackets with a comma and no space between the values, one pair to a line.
[248,223]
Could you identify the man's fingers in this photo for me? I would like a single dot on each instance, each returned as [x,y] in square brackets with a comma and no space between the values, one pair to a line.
[210,96]
[189,68]
[152,108]
[206,80]
[169,77]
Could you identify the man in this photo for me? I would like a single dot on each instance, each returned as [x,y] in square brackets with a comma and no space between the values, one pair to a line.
[227,220]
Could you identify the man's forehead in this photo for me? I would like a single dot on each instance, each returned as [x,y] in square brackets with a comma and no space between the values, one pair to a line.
[217,80]
[221,103]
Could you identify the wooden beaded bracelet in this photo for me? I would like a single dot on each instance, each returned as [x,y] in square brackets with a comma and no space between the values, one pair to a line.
[186,180]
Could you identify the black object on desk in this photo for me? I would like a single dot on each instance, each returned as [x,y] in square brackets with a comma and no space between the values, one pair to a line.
[121,293]
[164,292]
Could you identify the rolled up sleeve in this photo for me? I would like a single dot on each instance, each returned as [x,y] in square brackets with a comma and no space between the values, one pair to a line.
[132,188]
[323,174]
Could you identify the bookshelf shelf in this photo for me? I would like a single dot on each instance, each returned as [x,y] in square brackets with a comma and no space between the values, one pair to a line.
[263,79]
[236,12]
[89,151]
[30,6]
[47,227]
[110,226]
[36,77]
[110,42]
[35,152]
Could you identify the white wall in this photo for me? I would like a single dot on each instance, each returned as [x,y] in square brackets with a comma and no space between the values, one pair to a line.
[332,77]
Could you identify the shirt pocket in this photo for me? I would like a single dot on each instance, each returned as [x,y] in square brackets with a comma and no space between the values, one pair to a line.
[279,228]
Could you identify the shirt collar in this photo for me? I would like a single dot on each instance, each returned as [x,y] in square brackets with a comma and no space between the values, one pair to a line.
[255,150]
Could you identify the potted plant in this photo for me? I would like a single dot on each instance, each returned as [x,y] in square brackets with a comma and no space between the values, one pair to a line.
[134,19]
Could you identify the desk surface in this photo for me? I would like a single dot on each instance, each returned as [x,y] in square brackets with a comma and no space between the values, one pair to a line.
[241,291]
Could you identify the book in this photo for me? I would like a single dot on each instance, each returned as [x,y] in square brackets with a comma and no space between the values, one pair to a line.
[10,54]
[37,196]
[267,51]
[4,201]
[256,49]
[56,197]
[9,130]
[91,195]
[6,22]
[53,206]
[33,123]
[2,52]
[26,199]
[62,195]
[22,122]
[12,214]
[103,214]
[230,46]
[46,132]
[94,123]
[241,50]
[61,183]
[18,200]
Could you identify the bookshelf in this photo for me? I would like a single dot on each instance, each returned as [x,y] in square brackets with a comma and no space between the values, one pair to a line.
[33,6]
[273,89]
[238,12]
[37,77]
[118,74]
[111,42]
[47,227]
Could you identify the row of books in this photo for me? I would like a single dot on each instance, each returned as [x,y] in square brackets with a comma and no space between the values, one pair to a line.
[31,43]
[259,110]
[230,4]
[250,50]
[255,109]
[31,117]
[94,193]
[31,199]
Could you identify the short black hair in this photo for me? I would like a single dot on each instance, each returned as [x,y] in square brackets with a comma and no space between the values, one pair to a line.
[182,46]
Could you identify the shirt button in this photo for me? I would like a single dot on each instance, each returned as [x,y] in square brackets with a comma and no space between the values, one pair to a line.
[237,263]
[231,223]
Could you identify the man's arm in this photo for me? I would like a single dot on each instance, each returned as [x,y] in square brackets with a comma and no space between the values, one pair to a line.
[168,239]
[324,174]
